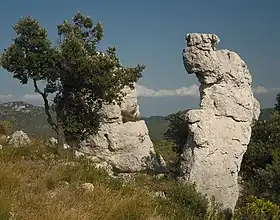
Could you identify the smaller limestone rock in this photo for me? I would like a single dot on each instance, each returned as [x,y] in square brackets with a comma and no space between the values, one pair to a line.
[87,187]
[3,138]
[1,147]
[160,176]
[160,194]
[63,184]
[161,161]
[19,138]
[104,166]
[78,154]
[53,142]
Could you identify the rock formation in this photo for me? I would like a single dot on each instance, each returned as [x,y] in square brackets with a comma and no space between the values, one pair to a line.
[220,130]
[123,142]
[19,138]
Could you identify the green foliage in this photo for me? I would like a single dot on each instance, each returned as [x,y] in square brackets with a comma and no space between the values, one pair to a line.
[277,105]
[177,130]
[184,202]
[80,77]
[261,163]
[258,209]
[187,196]
[157,125]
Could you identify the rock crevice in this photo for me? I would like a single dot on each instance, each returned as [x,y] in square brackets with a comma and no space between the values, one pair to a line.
[212,156]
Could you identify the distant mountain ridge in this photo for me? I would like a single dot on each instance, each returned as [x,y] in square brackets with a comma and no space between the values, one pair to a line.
[33,121]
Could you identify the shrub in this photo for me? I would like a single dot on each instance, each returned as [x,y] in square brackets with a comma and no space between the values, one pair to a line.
[184,202]
[258,209]
[260,166]
[177,130]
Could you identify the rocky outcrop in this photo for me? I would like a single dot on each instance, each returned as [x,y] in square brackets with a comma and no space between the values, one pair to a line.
[129,106]
[123,141]
[18,139]
[220,130]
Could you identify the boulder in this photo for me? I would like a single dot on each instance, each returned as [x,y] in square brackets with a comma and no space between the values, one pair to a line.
[220,130]
[19,138]
[122,141]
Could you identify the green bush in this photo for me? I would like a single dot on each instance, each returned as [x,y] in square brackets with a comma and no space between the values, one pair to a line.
[260,166]
[177,130]
[258,209]
[184,202]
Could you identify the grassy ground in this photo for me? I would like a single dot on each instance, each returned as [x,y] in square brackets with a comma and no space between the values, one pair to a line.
[35,183]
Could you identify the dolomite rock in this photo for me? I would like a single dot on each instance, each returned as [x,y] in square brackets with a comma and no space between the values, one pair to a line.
[18,139]
[220,130]
[129,106]
[123,144]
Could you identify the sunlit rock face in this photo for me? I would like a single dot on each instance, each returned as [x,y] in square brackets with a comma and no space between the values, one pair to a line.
[220,130]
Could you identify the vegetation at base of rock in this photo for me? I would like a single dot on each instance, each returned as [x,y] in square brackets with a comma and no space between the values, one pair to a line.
[79,77]
[260,169]
[34,178]
[177,130]
[258,209]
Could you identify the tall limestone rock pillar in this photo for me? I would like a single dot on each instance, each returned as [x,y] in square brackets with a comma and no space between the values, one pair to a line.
[220,130]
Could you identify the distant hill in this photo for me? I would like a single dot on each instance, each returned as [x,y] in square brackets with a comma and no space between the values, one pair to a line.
[29,118]
[266,113]
[32,119]
[157,125]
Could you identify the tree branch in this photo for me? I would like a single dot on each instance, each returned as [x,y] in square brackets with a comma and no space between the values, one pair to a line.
[47,106]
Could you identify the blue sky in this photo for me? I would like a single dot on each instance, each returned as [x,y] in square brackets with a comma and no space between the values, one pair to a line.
[152,33]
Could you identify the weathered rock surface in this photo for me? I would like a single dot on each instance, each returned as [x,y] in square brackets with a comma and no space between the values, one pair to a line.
[220,130]
[19,138]
[123,141]
[129,106]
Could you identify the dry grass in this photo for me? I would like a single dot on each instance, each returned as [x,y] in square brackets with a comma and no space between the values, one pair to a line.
[30,189]
[33,187]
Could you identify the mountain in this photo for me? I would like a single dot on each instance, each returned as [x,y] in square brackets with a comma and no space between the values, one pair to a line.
[157,125]
[32,120]
[29,118]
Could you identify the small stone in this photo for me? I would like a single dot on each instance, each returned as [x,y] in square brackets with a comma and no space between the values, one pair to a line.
[63,184]
[87,187]
[160,176]
[160,194]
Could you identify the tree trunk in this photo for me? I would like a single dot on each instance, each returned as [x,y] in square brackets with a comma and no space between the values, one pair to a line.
[60,138]
[59,127]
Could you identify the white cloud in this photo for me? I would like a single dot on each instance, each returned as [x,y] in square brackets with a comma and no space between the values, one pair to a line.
[275,89]
[142,91]
[6,97]
[32,97]
[193,90]
[260,90]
